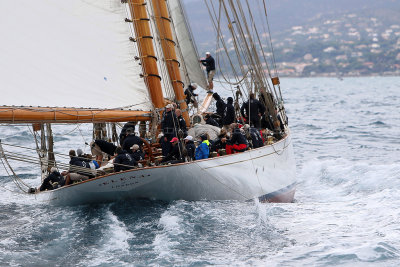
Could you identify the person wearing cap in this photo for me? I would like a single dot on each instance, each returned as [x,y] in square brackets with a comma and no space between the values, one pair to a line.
[229,117]
[136,153]
[52,181]
[209,120]
[203,150]
[123,160]
[190,95]
[209,63]
[169,126]
[131,139]
[176,153]
[190,147]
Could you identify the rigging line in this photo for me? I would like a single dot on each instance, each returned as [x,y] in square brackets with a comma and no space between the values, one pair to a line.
[219,37]
[236,43]
[18,181]
[270,38]
[215,178]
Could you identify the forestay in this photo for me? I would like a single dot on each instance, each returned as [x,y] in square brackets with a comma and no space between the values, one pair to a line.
[186,44]
[73,53]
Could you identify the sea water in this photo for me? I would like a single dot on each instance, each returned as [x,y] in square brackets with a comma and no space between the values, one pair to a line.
[347,147]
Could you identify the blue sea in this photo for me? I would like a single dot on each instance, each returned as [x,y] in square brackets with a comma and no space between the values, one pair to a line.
[346,135]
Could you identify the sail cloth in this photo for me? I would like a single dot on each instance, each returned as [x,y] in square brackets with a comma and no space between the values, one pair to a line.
[186,44]
[73,53]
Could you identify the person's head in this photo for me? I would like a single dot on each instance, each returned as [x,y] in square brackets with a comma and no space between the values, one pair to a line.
[135,147]
[178,112]
[216,96]
[169,107]
[230,100]
[222,132]
[79,152]
[188,138]
[208,54]
[53,169]
[194,86]
[72,153]
[251,96]
[130,131]
[203,137]
[118,150]
[206,117]
[174,141]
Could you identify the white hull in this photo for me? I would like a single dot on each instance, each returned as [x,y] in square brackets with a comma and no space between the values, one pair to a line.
[267,173]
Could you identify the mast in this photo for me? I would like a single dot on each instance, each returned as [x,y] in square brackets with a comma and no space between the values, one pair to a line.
[163,23]
[148,59]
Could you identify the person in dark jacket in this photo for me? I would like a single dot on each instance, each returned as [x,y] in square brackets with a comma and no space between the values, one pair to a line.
[254,136]
[130,140]
[209,63]
[190,147]
[181,122]
[77,168]
[253,110]
[169,126]
[99,146]
[53,177]
[136,153]
[209,120]
[176,153]
[220,142]
[190,95]
[238,141]
[229,117]
[123,161]
[220,104]
[129,125]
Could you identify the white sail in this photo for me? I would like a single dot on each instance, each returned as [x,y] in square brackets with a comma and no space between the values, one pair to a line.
[73,53]
[185,43]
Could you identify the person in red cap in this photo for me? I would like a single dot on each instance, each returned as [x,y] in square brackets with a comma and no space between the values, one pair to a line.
[176,153]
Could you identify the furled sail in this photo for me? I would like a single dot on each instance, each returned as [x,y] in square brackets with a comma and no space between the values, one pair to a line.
[74,53]
[186,44]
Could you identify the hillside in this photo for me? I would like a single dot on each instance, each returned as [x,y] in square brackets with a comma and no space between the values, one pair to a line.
[323,37]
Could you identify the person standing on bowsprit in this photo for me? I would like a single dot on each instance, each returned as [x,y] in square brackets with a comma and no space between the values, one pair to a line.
[252,110]
[209,62]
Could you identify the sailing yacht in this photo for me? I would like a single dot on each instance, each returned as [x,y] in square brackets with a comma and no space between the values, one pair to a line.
[107,62]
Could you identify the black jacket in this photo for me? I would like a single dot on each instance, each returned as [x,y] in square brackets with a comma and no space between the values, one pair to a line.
[131,140]
[137,155]
[255,108]
[106,147]
[175,153]
[229,115]
[53,177]
[75,161]
[125,159]
[211,121]
[238,138]
[182,124]
[169,123]
[189,92]
[256,139]
[209,63]
[190,148]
